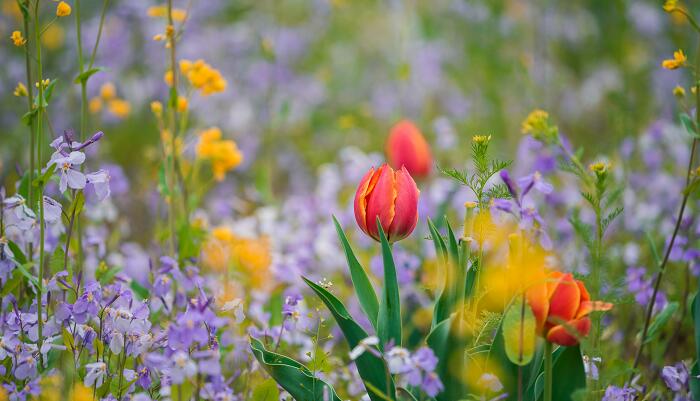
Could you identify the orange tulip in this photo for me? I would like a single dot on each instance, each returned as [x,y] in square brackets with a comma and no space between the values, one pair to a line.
[561,306]
[390,195]
[406,147]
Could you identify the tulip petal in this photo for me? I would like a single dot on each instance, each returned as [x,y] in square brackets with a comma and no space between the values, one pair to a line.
[380,200]
[361,200]
[568,334]
[565,300]
[406,207]
[585,296]
[406,147]
[592,306]
[539,302]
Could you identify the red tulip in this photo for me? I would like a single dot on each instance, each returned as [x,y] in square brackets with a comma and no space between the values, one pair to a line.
[561,306]
[390,195]
[406,147]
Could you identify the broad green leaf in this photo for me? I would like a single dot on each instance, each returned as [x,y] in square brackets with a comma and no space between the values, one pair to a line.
[57,260]
[87,74]
[389,316]
[519,333]
[695,313]
[569,375]
[442,308]
[266,391]
[660,321]
[694,381]
[363,287]
[24,269]
[371,368]
[292,375]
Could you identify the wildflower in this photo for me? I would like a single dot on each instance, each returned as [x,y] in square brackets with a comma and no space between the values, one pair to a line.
[366,344]
[679,59]
[537,124]
[100,182]
[223,154]
[157,108]
[390,196]
[20,90]
[600,169]
[178,14]
[182,368]
[52,210]
[70,177]
[17,38]
[119,107]
[670,5]
[108,91]
[562,304]
[168,77]
[43,83]
[181,104]
[676,377]
[81,393]
[678,91]
[590,366]
[95,374]
[613,393]
[203,77]
[63,9]
[481,139]
[406,147]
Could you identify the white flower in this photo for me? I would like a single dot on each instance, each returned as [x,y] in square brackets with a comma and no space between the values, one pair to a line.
[182,368]
[52,210]
[364,345]
[100,181]
[70,177]
[116,344]
[95,374]
[399,360]
[235,305]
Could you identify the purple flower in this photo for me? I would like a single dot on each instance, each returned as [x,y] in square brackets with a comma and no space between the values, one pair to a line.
[676,377]
[52,210]
[100,182]
[70,176]
[432,385]
[613,393]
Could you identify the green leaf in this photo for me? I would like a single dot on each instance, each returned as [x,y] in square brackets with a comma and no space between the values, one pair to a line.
[519,333]
[11,284]
[442,308]
[41,180]
[291,375]
[694,381]
[363,287]
[389,316]
[139,290]
[266,391]
[17,252]
[85,75]
[28,117]
[23,268]
[660,321]
[569,373]
[689,125]
[57,260]
[371,368]
[440,341]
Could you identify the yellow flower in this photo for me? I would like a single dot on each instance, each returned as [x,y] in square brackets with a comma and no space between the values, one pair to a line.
[223,154]
[670,5]
[108,91]
[481,139]
[600,168]
[119,107]
[203,76]
[678,91]
[3,394]
[162,12]
[63,9]
[679,59]
[157,108]
[20,90]
[18,39]
[537,124]
[81,393]
[168,78]
[95,105]
[181,104]
[44,83]
[53,37]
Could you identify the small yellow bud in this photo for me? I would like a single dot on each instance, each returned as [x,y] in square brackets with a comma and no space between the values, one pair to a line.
[18,39]
[44,83]
[168,78]
[678,91]
[95,105]
[679,59]
[119,107]
[63,9]
[600,168]
[20,90]
[108,91]
[159,37]
[157,108]
[670,5]
[481,139]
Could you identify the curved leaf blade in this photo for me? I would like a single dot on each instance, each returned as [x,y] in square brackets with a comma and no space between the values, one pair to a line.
[389,317]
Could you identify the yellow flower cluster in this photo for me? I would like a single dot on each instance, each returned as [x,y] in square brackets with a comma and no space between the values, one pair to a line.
[81,393]
[223,154]
[18,39]
[250,257]
[202,76]
[481,139]
[63,9]
[20,90]
[537,124]
[600,168]
[678,91]
[179,14]
[108,96]
[679,59]
[670,5]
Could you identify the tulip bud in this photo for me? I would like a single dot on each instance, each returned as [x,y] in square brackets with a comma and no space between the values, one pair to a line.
[407,147]
[390,195]
[561,306]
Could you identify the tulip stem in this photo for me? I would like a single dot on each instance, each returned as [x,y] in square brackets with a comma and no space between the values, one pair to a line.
[547,371]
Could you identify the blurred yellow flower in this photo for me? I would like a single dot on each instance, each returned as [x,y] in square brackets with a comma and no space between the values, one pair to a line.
[181,104]
[537,124]
[223,154]
[119,107]
[481,139]
[18,39]
[679,59]
[3,394]
[95,105]
[670,5]
[81,393]
[599,168]
[166,139]
[20,90]
[202,76]
[162,12]
[63,9]
[108,91]
[678,91]
[53,37]
[168,78]
[157,108]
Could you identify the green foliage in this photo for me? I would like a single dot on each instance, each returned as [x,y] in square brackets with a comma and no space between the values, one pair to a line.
[519,333]
[389,315]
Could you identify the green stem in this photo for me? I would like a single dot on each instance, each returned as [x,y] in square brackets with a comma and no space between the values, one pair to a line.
[32,131]
[547,371]
[42,233]
[173,129]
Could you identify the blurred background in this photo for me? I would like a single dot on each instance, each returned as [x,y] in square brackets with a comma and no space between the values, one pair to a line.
[309,78]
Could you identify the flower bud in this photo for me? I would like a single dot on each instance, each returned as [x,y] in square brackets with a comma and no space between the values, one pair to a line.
[407,147]
[391,196]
